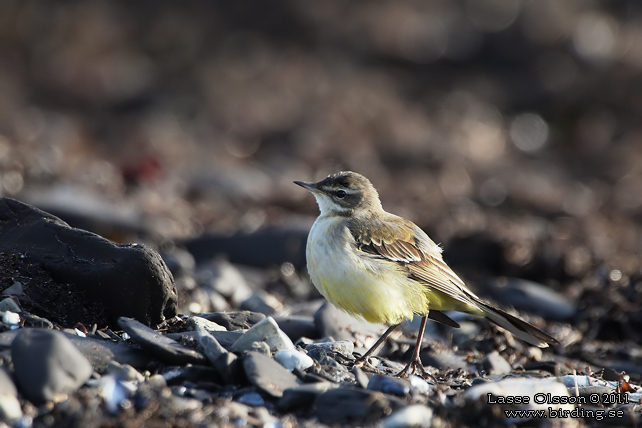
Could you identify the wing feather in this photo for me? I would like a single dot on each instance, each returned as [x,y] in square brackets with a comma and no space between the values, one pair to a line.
[401,241]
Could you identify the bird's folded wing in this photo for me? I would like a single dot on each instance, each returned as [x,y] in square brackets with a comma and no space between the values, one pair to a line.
[403,242]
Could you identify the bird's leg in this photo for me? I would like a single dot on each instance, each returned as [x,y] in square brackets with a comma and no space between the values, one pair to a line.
[415,360]
[363,360]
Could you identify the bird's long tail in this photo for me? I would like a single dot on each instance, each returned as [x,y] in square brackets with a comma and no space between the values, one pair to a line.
[525,331]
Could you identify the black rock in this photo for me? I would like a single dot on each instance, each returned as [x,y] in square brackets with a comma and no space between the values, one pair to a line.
[345,405]
[160,346]
[268,375]
[234,320]
[47,365]
[83,277]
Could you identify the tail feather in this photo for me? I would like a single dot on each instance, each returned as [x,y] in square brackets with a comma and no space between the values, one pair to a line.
[519,328]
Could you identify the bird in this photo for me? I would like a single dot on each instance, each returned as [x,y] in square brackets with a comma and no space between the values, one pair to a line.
[385,269]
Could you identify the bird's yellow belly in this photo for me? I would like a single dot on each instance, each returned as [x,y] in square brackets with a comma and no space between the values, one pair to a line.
[373,289]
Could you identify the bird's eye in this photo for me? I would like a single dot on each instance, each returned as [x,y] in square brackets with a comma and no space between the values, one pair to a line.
[341,194]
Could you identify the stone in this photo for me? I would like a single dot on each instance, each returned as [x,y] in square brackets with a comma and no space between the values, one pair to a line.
[349,405]
[11,319]
[162,347]
[232,321]
[90,279]
[265,331]
[253,399]
[338,325]
[10,410]
[196,322]
[14,290]
[445,360]
[533,297]
[495,364]
[47,365]
[262,302]
[9,304]
[343,347]
[210,346]
[265,248]
[293,359]
[297,327]
[302,396]
[267,375]
[521,387]
[225,279]
[389,385]
[194,374]
[416,416]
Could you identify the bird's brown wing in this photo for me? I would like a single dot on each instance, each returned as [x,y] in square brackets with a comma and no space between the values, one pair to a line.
[401,241]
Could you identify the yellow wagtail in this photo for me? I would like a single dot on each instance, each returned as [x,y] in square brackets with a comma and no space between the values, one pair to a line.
[385,269]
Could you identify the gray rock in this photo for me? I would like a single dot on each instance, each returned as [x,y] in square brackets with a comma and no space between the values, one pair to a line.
[179,375]
[267,375]
[349,405]
[9,304]
[445,360]
[297,327]
[265,248]
[293,359]
[495,364]
[335,323]
[160,346]
[47,365]
[234,320]
[416,415]
[343,347]
[100,352]
[210,346]
[124,372]
[523,387]
[225,338]
[533,297]
[197,321]
[14,290]
[302,397]
[253,399]
[10,410]
[262,302]
[224,278]
[265,331]
[389,385]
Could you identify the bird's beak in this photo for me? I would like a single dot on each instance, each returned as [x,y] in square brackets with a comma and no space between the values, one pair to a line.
[312,187]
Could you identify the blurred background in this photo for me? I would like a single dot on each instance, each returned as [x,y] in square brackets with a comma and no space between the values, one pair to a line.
[510,130]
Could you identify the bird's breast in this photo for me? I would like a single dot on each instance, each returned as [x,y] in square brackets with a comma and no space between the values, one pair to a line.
[356,282]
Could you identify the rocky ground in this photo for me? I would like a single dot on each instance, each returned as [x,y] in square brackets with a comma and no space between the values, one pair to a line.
[168,135]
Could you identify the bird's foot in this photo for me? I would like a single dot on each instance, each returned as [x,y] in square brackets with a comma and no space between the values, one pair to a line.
[365,364]
[411,368]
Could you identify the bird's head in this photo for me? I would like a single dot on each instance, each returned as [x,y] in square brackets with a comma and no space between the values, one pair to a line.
[345,193]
